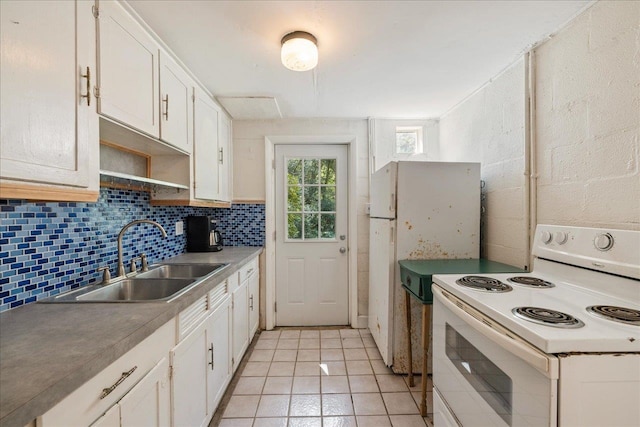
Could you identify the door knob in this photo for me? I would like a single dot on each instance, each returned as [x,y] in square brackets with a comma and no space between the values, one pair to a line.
[343,250]
[342,237]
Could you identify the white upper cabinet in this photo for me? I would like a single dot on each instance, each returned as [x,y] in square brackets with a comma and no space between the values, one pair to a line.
[128,75]
[205,146]
[47,73]
[224,159]
[176,104]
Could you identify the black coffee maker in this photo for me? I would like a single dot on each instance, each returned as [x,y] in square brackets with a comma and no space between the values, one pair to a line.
[202,234]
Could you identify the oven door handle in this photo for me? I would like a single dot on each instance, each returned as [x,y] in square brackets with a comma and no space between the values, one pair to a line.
[498,334]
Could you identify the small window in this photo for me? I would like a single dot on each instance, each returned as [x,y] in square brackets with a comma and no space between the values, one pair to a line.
[408,140]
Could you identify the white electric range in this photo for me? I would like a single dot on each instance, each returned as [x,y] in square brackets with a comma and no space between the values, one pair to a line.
[538,349]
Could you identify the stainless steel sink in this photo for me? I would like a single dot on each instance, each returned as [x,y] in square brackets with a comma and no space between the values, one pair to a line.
[137,290]
[180,270]
[163,282]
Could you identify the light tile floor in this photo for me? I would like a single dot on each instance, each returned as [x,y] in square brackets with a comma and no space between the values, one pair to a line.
[324,378]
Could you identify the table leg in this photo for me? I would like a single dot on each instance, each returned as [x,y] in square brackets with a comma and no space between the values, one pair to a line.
[407,303]
[426,326]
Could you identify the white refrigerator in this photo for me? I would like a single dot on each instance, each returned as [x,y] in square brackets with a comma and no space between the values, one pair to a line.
[418,210]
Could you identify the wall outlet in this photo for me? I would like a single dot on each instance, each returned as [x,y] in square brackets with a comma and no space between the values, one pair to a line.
[179,228]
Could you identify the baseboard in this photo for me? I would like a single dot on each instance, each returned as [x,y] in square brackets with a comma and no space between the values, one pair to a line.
[363,322]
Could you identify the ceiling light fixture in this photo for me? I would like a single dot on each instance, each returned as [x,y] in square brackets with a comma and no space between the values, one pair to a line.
[299,51]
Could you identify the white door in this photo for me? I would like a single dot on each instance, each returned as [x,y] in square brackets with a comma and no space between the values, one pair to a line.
[205,146]
[47,127]
[190,361]
[224,158]
[381,284]
[220,346]
[128,76]
[312,286]
[240,314]
[176,104]
[149,402]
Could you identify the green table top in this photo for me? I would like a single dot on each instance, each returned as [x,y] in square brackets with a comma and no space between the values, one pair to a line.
[428,267]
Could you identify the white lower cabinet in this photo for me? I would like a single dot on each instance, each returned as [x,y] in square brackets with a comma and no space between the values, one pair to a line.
[178,375]
[138,380]
[254,303]
[147,404]
[201,369]
[240,308]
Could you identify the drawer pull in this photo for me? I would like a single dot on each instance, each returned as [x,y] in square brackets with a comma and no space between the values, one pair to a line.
[107,391]
[249,271]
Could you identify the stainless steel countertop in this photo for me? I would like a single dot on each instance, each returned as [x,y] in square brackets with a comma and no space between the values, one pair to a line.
[49,350]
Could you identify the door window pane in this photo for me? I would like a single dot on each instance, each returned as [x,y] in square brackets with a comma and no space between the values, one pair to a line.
[311,171]
[311,198]
[294,171]
[311,226]
[328,171]
[294,222]
[328,199]
[294,199]
[328,226]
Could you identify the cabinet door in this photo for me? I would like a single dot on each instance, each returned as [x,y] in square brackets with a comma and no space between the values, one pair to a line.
[176,105]
[128,75]
[220,368]
[205,147]
[254,303]
[190,362]
[47,127]
[240,309]
[224,158]
[111,418]
[149,402]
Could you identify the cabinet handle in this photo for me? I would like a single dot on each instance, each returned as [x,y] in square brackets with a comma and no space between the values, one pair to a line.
[251,302]
[211,363]
[249,271]
[166,107]
[221,155]
[88,95]
[107,391]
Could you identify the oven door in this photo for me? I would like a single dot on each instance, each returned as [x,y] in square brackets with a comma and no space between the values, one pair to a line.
[487,375]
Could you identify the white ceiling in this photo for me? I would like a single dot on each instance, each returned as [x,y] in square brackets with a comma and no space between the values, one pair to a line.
[377,58]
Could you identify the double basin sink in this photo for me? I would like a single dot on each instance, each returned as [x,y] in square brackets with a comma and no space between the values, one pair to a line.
[162,282]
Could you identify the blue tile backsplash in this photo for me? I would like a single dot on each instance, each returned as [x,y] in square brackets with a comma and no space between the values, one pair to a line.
[48,248]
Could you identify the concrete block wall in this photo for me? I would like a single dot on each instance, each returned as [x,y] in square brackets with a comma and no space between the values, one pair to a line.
[588,119]
[489,127]
[249,173]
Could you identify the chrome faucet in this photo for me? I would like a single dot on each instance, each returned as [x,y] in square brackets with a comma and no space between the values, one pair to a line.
[121,271]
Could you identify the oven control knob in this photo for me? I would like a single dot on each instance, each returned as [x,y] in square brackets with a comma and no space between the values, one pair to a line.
[546,237]
[603,241]
[561,237]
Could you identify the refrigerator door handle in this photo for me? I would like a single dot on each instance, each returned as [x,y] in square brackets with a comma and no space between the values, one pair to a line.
[392,206]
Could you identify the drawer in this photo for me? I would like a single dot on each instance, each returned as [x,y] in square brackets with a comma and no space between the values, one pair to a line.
[419,284]
[85,405]
[248,269]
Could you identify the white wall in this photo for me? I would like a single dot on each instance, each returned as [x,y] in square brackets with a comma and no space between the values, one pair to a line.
[588,119]
[249,173]
[489,127]
[384,140]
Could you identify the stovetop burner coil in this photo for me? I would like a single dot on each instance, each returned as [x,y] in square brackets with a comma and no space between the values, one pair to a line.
[545,316]
[628,316]
[533,282]
[482,283]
